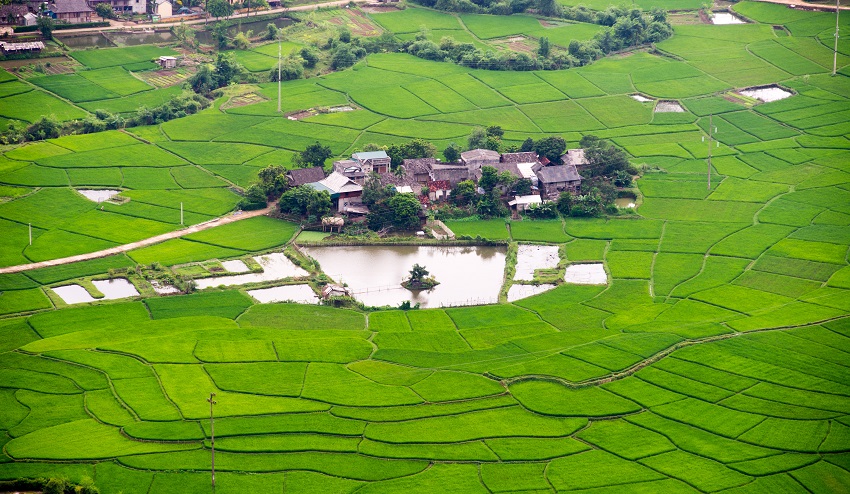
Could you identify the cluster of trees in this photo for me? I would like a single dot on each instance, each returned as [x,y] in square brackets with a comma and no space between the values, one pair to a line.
[388,208]
[48,127]
[273,183]
[551,147]
[305,201]
[224,71]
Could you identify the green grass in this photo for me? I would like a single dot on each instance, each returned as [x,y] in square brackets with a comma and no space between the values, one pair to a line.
[32,105]
[96,59]
[228,304]
[253,234]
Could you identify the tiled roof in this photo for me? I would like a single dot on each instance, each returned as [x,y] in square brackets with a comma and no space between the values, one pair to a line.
[370,155]
[555,174]
[301,176]
[523,157]
[479,154]
[70,7]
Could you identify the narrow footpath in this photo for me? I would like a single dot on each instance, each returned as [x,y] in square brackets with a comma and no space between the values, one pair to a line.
[230,218]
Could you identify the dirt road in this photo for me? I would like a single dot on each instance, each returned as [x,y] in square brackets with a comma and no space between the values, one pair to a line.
[141,243]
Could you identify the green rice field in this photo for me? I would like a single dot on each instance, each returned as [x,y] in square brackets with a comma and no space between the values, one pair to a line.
[716,358]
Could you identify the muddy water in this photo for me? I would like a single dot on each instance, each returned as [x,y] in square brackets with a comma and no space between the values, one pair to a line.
[532,257]
[276,266]
[98,195]
[467,275]
[81,41]
[206,37]
[724,18]
[625,202]
[140,38]
[301,294]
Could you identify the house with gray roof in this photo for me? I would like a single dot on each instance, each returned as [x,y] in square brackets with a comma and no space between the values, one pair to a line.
[373,161]
[553,180]
[574,157]
[303,176]
[345,193]
[71,11]
[477,158]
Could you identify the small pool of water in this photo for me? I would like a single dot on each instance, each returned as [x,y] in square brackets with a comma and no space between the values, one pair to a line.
[163,288]
[767,94]
[116,288]
[519,292]
[73,294]
[98,195]
[81,41]
[641,98]
[470,275]
[532,257]
[586,274]
[301,294]
[624,202]
[139,38]
[726,18]
[236,266]
[276,266]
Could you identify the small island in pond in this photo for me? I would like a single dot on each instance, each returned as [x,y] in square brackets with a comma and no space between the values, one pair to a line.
[419,279]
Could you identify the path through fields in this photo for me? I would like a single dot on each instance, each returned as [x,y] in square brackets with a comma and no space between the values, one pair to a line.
[230,218]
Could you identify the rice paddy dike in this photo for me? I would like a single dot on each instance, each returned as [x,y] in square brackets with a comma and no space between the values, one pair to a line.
[716,359]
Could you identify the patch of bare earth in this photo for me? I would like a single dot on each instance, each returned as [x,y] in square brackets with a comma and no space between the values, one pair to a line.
[519,44]
[357,22]
[377,9]
[245,100]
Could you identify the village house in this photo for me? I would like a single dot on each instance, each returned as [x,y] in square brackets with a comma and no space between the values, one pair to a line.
[26,47]
[167,62]
[163,9]
[574,157]
[345,193]
[556,179]
[476,158]
[439,190]
[304,176]
[453,174]
[521,203]
[521,157]
[350,169]
[13,14]
[30,19]
[372,161]
[128,6]
[71,11]
[419,169]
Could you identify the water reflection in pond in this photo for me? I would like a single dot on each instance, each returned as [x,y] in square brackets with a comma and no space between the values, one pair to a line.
[467,275]
[78,41]
[207,38]
[276,266]
[724,18]
[301,294]
[140,38]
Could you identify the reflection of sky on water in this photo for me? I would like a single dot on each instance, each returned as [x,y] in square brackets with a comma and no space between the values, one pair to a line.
[467,275]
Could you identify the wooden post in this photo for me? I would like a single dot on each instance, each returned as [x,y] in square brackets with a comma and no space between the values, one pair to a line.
[278,70]
[710,129]
[181,213]
[30,225]
[835,50]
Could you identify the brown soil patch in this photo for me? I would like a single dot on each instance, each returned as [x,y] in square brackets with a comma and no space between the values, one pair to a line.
[301,114]
[519,44]
[26,68]
[377,9]
[355,20]
[163,78]
[244,100]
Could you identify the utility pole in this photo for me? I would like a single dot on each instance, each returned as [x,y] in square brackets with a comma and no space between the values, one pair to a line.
[835,50]
[278,70]
[30,225]
[212,437]
[181,213]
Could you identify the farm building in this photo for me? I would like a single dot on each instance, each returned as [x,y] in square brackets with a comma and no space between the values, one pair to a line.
[574,157]
[350,169]
[345,193]
[556,179]
[373,161]
[167,62]
[477,158]
[30,19]
[163,9]
[71,11]
[521,203]
[134,6]
[13,14]
[303,176]
[12,48]
[452,174]
[439,189]
[419,169]
[522,157]
[331,291]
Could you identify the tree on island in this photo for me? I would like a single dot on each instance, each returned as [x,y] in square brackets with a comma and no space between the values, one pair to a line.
[419,279]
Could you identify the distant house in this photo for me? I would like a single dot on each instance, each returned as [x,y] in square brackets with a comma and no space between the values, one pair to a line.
[345,193]
[521,203]
[350,169]
[14,14]
[574,157]
[522,157]
[556,179]
[71,11]
[453,174]
[419,169]
[163,9]
[477,158]
[331,291]
[303,176]
[30,19]
[167,62]
[373,161]
[128,6]
[26,47]
[438,190]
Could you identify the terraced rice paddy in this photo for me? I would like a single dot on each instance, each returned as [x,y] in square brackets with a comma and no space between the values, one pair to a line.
[713,357]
